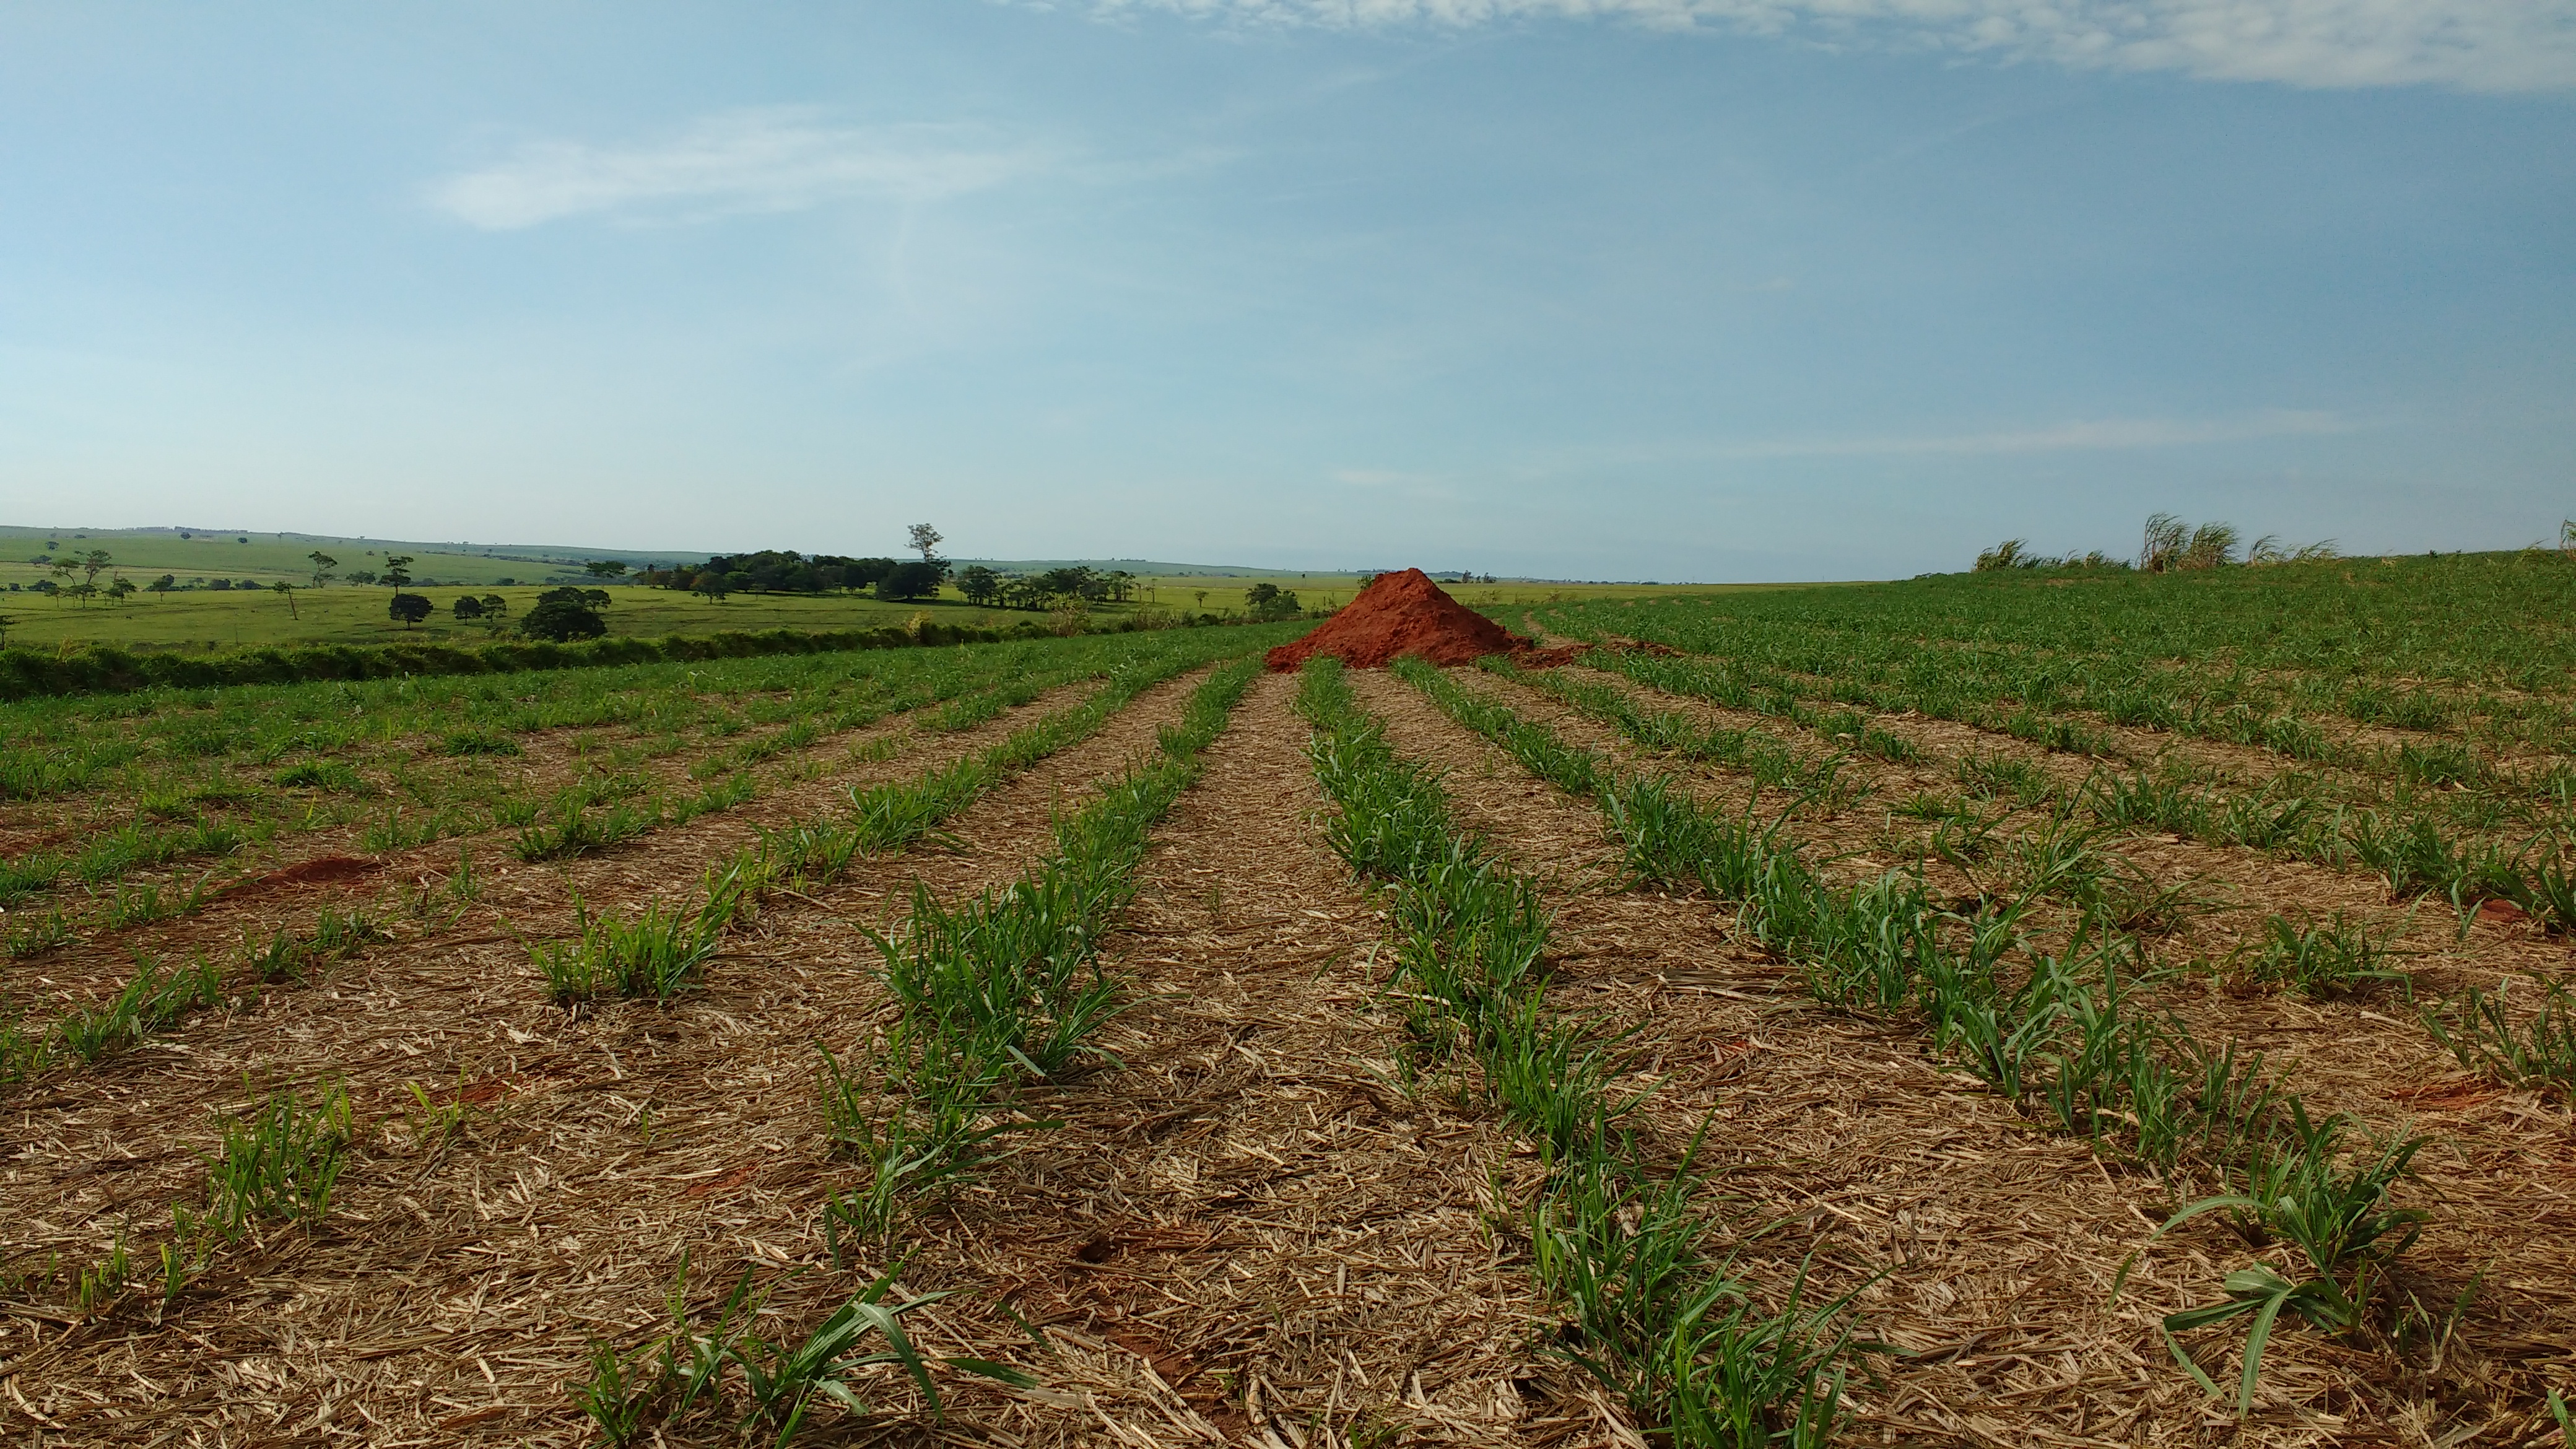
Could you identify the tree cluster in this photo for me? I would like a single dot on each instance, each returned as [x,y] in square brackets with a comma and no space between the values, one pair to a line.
[785,571]
[1046,590]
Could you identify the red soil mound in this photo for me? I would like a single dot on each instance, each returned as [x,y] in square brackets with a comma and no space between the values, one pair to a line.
[1406,613]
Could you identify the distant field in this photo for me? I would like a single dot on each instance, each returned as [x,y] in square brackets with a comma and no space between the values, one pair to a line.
[146,555]
[351,614]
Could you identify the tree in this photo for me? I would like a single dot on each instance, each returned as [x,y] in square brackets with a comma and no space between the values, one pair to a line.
[495,607]
[397,574]
[93,564]
[410,608]
[979,584]
[468,607]
[926,539]
[1269,601]
[563,615]
[6,624]
[284,590]
[119,590]
[163,584]
[323,564]
[713,584]
[911,581]
[605,568]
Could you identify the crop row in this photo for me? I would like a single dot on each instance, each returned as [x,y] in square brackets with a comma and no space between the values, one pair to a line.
[656,953]
[2054,1030]
[2135,652]
[2420,841]
[1616,1228]
[660,951]
[615,796]
[2491,621]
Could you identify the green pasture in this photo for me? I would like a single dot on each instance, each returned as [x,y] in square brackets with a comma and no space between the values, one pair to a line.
[340,613]
[145,554]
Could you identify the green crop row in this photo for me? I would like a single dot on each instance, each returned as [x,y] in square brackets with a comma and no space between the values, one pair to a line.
[992,995]
[163,742]
[1614,1231]
[2242,656]
[2415,841]
[601,809]
[158,996]
[2058,1033]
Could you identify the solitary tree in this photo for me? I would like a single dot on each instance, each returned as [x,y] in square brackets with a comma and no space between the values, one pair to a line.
[713,584]
[397,574]
[163,584]
[284,590]
[93,564]
[410,608]
[495,607]
[120,589]
[469,607]
[323,564]
[926,539]
[605,568]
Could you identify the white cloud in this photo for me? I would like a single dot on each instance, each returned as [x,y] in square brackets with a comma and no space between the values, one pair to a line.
[2481,45]
[2081,436]
[745,161]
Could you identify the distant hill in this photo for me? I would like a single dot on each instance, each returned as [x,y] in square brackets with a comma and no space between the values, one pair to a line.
[239,550]
[196,552]
[191,551]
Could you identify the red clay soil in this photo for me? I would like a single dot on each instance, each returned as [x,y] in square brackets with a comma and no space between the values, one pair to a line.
[1405,613]
[321,870]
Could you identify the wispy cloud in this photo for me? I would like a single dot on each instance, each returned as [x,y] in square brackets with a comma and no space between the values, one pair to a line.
[2089,435]
[743,161]
[2483,45]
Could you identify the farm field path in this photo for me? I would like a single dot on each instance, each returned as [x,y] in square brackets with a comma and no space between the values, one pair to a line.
[455,1286]
[1994,1243]
[2500,1171]
[1250,1227]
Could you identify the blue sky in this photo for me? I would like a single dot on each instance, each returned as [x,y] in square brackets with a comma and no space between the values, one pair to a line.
[1710,289]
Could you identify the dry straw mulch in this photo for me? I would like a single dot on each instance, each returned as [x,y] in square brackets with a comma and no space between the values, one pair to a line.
[1997,1240]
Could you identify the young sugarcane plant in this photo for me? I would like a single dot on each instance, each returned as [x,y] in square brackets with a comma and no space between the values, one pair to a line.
[2298,1192]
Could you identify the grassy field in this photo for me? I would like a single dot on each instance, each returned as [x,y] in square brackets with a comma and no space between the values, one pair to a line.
[2086,1009]
[349,614]
[146,554]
